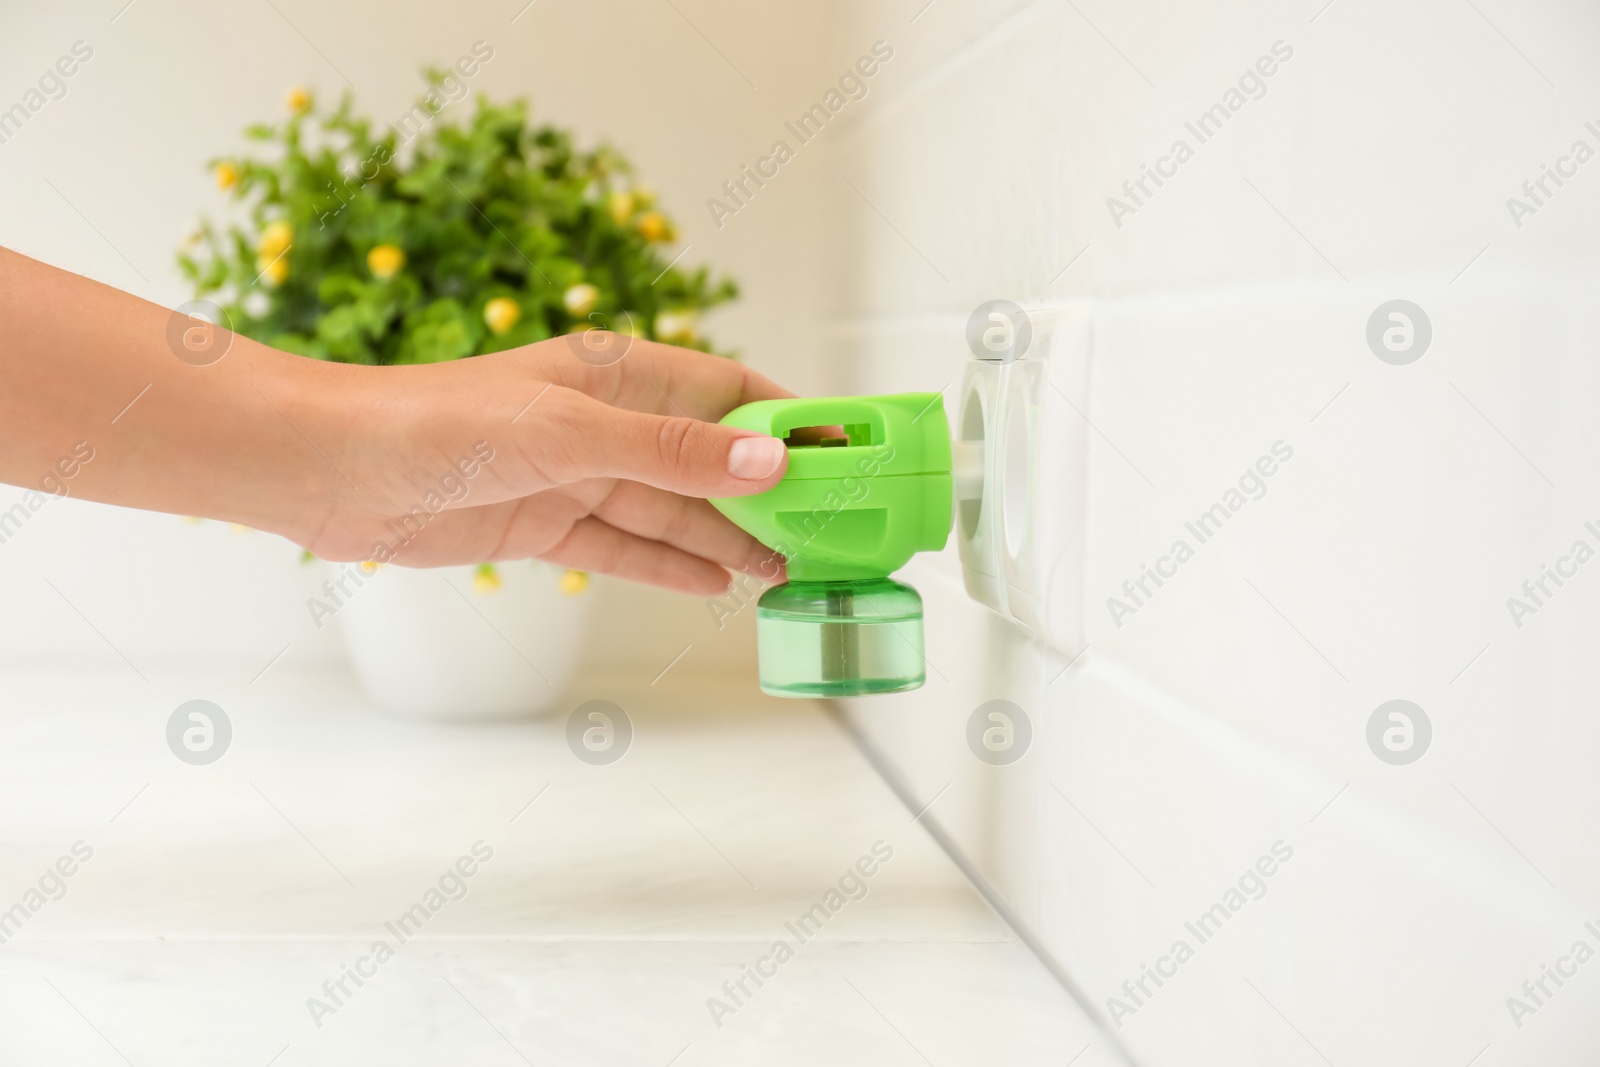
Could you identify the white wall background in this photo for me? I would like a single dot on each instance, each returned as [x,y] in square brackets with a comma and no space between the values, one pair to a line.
[1227,314]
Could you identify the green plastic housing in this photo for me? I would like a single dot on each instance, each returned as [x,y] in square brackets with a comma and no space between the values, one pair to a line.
[868,487]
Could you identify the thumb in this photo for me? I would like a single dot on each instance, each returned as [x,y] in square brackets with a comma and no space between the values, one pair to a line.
[676,453]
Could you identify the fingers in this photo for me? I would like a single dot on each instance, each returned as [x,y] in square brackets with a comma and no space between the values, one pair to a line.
[574,436]
[663,379]
[692,525]
[594,545]
[691,379]
[636,532]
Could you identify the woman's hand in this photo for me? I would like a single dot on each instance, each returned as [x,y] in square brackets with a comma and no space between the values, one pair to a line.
[540,452]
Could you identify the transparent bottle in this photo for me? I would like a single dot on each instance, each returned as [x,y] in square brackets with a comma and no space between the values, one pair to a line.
[840,638]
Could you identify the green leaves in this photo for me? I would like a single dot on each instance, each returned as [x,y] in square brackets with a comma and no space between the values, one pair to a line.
[461,214]
[439,331]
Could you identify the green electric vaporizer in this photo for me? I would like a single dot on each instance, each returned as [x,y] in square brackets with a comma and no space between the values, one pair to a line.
[868,487]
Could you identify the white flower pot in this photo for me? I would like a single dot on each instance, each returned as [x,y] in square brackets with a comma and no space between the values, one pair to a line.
[426,645]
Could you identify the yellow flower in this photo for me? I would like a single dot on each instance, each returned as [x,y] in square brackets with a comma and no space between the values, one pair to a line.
[299,100]
[675,326]
[573,583]
[485,579]
[369,566]
[653,226]
[645,195]
[580,299]
[385,261]
[273,271]
[227,175]
[276,238]
[621,207]
[500,314]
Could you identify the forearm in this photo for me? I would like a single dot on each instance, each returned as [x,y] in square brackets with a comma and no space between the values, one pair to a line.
[87,371]
[533,452]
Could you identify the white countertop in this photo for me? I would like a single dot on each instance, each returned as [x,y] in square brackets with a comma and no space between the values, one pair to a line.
[220,898]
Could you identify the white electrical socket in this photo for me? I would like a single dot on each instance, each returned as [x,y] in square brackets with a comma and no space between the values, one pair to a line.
[1020,525]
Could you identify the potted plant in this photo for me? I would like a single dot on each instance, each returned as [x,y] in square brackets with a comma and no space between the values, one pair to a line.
[436,241]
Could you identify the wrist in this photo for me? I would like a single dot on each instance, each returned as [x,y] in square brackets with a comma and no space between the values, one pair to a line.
[304,406]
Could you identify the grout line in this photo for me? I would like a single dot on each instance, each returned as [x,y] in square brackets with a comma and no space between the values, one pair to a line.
[1483,873]
[1231,297]
[875,759]
[491,936]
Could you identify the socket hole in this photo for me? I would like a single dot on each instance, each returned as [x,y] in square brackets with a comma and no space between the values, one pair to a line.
[973,421]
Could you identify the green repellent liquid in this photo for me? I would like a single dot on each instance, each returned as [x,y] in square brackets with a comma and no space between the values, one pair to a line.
[837,639]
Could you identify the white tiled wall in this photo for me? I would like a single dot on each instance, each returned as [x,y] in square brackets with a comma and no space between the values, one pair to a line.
[1229,314]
